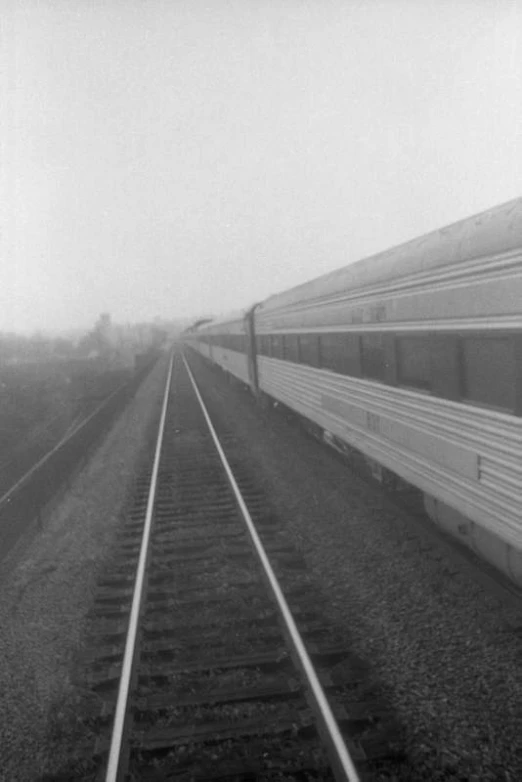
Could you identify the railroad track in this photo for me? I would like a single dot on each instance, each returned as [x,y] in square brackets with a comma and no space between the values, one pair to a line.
[221,678]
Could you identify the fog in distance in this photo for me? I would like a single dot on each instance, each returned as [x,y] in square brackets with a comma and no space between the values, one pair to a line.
[180,159]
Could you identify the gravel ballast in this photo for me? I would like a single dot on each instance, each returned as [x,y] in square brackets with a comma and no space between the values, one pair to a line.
[448,648]
[47,586]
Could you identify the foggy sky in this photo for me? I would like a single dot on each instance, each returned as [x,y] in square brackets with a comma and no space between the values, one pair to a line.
[184,158]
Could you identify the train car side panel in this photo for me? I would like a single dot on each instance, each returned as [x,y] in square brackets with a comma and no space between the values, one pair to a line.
[469,459]
[232,361]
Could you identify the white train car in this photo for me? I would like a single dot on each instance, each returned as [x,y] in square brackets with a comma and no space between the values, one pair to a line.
[225,343]
[414,357]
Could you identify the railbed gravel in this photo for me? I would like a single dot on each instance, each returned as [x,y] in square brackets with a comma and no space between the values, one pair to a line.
[447,648]
[47,588]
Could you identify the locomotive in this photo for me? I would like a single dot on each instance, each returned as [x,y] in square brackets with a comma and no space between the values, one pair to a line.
[414,358]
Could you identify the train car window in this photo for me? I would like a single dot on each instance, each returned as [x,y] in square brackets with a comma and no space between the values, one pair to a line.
[414,361]
[340,353]
[489,371]
[332,352]
[445,372]
[352,351]
[276,346]
[373,356]
[291,347]
[263,345]
[309,349]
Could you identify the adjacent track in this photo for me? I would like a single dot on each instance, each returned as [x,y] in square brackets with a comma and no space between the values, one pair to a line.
[226,664]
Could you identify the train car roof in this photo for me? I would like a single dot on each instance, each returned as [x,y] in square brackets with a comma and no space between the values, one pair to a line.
[224,320]
[488,233]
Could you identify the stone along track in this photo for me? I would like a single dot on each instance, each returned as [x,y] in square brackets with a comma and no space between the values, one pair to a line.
[218,686]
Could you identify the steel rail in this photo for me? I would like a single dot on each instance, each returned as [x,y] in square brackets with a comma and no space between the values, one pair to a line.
[113,764]
[66,437]
[342,763]
[33,436]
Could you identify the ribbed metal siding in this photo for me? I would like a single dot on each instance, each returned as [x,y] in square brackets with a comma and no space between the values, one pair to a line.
[482,447]
[484,293]
[232,361]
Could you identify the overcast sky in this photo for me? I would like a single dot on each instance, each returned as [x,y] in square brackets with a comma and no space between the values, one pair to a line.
[174,158]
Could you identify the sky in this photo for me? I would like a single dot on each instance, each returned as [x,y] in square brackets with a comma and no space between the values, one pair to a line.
[179,158]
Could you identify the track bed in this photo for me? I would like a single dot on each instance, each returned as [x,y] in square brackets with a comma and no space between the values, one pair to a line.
[215,690]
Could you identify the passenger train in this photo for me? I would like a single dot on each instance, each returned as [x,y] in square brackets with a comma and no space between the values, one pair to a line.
[414,358]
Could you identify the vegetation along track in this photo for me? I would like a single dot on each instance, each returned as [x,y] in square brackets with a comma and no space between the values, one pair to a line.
[216,690]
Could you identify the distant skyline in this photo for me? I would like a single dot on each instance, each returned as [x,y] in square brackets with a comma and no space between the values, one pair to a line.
[179,159]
